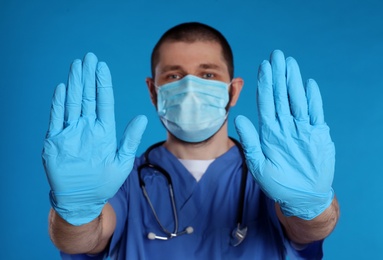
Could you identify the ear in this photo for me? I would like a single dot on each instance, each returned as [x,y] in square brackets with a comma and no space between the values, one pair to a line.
[235,90]
[152,90]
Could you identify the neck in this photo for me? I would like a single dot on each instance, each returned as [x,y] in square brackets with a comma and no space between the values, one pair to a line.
[206,150]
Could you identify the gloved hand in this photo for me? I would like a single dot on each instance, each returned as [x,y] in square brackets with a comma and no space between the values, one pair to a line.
[83,164]
[293,157]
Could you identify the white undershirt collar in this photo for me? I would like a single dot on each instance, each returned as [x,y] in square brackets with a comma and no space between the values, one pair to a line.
[197,168]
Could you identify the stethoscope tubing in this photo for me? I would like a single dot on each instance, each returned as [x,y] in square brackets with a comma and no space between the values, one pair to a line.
[240,209]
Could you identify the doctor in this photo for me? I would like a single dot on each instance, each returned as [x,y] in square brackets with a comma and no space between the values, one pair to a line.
[268,197]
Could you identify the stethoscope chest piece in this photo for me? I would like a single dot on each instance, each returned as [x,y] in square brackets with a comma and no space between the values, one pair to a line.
[238,235]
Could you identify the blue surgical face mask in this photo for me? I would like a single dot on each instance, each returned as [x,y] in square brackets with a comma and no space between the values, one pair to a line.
[193,109]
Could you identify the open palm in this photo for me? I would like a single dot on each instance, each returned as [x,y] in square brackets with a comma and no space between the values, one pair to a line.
[293,157]
[84,165]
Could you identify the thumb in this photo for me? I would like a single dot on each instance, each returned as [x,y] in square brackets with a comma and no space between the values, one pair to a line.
[132,137]
[249,139]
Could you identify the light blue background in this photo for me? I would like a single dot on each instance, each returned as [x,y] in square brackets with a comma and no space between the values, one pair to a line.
[338,43]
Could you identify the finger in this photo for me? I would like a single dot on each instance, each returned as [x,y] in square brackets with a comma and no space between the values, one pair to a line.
[265,97]
[278,65]
[132,137]
[105,99]
[296,91]
[74,93]
[56,121]
[315,105]
[89,81]
[249,139]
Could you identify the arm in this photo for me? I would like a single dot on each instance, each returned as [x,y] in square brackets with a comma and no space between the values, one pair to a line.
[90,238]
[302,231]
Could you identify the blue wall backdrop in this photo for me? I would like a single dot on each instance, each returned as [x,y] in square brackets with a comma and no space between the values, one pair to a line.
[338,43]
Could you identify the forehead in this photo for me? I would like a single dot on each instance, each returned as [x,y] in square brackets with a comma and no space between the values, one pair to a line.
[191,54]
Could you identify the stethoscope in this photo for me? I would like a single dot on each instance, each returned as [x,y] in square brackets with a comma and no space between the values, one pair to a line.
[238,234]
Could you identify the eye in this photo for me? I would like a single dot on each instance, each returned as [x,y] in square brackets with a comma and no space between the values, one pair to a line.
[208,75]
[173,77]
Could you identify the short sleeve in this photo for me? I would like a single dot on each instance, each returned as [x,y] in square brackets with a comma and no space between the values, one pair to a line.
[119,204]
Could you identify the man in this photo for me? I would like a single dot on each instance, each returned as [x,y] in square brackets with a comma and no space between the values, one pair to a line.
[107,202]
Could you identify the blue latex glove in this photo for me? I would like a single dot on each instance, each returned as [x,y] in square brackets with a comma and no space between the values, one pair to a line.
[293,157]
[83,164]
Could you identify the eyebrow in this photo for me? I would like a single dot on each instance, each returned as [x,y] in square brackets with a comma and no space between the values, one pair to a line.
[210,66]
[170,68]
[201,66]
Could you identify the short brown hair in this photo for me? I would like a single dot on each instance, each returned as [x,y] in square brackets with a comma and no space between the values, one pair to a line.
[191,32]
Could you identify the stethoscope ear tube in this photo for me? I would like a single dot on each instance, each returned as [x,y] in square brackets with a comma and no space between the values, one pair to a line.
[187,231]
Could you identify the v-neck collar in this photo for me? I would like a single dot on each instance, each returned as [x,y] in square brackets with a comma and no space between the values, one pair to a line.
[190,194]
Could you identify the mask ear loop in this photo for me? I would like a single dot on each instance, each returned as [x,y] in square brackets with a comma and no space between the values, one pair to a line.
[229,89]
[153,91]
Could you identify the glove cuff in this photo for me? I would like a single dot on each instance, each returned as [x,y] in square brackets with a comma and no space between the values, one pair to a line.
[311,208]
[79,215]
